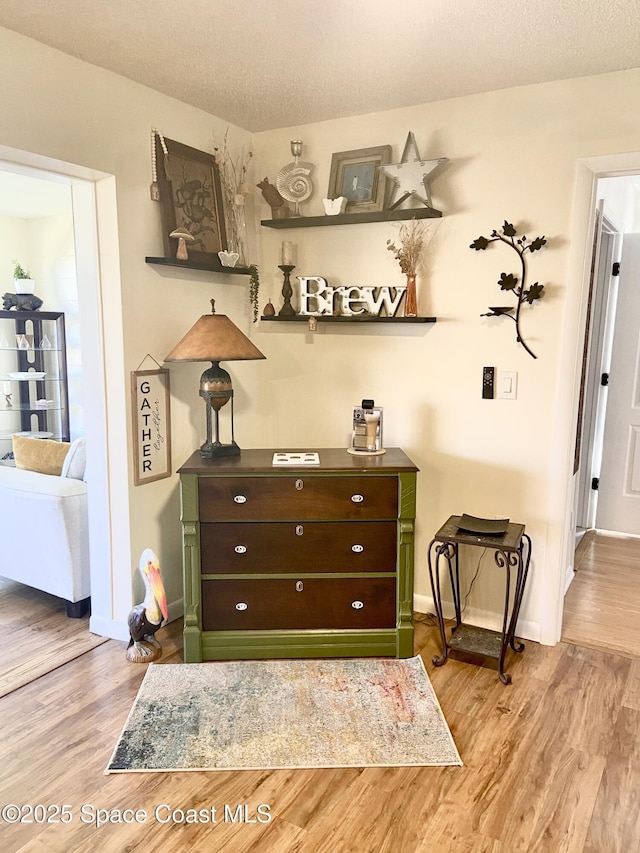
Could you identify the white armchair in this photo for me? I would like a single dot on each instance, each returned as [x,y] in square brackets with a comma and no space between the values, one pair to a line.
[44,541]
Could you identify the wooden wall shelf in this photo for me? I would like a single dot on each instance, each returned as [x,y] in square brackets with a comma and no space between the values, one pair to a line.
[330,318]
[213,266]
[353,218]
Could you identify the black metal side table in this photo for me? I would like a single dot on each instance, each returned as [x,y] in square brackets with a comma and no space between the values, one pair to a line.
[469,643]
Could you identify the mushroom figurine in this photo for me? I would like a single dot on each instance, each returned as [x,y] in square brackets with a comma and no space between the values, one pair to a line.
[183,237]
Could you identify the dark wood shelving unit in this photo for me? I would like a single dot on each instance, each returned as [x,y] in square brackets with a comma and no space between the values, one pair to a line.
[330,318]
[50,361]
[353,218]
[198,265]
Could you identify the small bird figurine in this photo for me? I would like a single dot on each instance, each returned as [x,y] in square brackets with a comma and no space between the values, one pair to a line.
[146,618]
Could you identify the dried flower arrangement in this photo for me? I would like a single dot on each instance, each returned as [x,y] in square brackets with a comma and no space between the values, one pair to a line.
[412,242]
[233,172]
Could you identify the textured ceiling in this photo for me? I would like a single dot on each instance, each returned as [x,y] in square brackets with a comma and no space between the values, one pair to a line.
[263,64]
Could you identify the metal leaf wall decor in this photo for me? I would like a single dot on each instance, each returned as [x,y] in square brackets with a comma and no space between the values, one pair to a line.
[510,282]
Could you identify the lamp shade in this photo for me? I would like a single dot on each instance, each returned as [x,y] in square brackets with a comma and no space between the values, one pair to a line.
[214,338]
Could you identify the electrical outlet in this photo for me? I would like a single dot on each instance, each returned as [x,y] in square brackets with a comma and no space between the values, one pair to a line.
[488,374]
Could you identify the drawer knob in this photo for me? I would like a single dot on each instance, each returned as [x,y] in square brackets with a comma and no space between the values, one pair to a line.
[357,605]
[357,549]
[240,499]
[299,529]
[242,605]
[240,549]
[299,485]
[299,586]
[357,499]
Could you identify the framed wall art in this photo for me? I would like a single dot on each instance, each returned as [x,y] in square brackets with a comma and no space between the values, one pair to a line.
[190,197]
[355,175]
[151,425]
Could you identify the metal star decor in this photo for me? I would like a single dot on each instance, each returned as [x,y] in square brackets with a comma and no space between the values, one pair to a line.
[410,174]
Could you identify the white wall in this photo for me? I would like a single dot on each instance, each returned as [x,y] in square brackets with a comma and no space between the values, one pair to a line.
[13,242]
[44,247]
[81,115]
[621,197]
[513,155]
[51,254]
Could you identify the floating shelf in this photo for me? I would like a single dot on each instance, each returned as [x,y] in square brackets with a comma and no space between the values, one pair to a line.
[208,266]
[330,318]
[353,218]
[25,407]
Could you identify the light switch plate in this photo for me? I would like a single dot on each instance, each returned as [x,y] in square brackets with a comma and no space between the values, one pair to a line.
[507,384]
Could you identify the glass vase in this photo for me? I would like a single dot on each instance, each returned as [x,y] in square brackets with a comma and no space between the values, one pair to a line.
[238,237]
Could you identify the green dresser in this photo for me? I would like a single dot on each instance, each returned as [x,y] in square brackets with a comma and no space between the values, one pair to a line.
[299,560]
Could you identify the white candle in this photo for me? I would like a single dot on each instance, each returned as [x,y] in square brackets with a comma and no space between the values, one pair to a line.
[287,253]
[6,387]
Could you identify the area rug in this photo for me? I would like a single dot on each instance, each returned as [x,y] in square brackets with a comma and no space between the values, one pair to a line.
[266,715]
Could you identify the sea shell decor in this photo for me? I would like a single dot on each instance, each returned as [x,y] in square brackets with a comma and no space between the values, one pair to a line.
[293,181]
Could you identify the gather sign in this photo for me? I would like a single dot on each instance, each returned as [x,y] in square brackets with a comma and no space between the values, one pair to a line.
[318,297]
[151,425]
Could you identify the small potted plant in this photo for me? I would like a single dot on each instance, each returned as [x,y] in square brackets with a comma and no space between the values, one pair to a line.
[22,280]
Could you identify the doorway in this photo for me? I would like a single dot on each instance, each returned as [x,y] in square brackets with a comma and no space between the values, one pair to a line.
[563,479]
[608,489]
[599,333]
[94,213]
[619,488]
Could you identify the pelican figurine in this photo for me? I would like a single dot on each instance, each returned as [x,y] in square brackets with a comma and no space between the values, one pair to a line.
[146,618]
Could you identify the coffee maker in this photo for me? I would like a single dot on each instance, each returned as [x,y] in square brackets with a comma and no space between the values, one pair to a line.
[366,436]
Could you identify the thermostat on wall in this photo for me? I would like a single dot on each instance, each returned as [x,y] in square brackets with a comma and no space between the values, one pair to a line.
[296,459]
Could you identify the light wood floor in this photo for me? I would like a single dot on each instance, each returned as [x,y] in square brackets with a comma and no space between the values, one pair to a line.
[551,764]
[36,635]
[602,605]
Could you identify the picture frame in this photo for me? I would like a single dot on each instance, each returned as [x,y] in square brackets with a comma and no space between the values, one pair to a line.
[150,408]
[355,175]
[191,197]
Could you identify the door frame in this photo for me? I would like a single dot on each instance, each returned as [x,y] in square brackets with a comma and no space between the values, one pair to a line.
[601,327]
[561,515]
[97,259]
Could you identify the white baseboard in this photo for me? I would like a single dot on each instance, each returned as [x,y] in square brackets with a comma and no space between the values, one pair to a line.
[120,631]
[108,628]
[176,609]
[618,534]
[482,618]
[569,575]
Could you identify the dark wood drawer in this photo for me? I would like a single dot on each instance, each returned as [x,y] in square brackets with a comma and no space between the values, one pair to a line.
[305,498]
[286,546]
[298,604]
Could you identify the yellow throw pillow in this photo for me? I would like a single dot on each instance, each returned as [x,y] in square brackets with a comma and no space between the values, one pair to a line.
[39,454]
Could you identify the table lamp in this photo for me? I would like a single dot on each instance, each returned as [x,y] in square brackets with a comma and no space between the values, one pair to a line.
[215,338]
